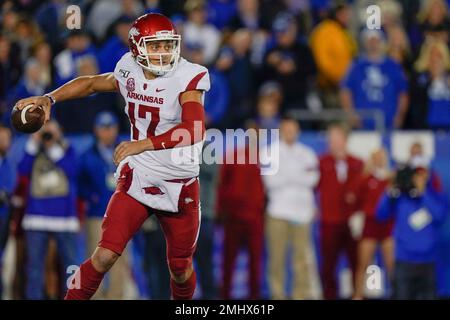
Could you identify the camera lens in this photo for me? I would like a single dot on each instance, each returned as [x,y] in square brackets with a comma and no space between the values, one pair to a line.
[47,136]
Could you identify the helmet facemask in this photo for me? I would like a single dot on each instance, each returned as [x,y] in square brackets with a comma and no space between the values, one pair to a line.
[159,63]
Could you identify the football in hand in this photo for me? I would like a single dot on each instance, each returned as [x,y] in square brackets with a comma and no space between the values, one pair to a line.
[28,121]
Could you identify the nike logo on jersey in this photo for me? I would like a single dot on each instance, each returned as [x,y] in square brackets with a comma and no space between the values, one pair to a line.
[159,90]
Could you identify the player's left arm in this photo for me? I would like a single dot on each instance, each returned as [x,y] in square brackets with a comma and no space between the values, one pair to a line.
[190,131]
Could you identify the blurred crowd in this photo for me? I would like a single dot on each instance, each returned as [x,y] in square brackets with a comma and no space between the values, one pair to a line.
[312,54]
[267,60]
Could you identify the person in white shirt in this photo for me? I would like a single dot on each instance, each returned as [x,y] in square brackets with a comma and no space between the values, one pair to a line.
[290,211]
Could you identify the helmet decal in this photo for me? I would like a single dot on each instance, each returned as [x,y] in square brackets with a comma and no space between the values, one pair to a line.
[134,32]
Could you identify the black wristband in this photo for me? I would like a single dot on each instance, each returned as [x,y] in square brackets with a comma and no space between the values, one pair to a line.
[52,100]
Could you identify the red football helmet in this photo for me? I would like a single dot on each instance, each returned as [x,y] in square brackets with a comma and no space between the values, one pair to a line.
[149,28]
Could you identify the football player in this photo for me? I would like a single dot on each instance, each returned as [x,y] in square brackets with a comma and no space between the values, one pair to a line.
[158,168]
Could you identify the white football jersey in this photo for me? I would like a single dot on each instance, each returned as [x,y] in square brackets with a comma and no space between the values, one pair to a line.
[153,108]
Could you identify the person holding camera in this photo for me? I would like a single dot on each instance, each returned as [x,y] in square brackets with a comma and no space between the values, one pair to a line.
[49,165]
[418,208]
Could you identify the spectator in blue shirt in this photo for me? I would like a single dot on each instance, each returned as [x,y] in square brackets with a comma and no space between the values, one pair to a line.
[375,82]
[96,167]
[31,84]
[7,184]
[220,12]
[78,45]
[49,17]
[270,97]
[290,62]
[216,99]
[96,184]
[234,61]
[50,165]
[152,6]
[10,70]
[116,46]
[418,213]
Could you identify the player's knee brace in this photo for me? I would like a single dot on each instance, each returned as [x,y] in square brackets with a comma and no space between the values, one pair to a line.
[179,266]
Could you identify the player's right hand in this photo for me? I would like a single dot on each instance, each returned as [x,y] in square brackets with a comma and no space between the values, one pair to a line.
[37,101]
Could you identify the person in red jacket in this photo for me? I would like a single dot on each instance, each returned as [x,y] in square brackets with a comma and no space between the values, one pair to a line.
[369,190]
[240,207]
[338,169]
